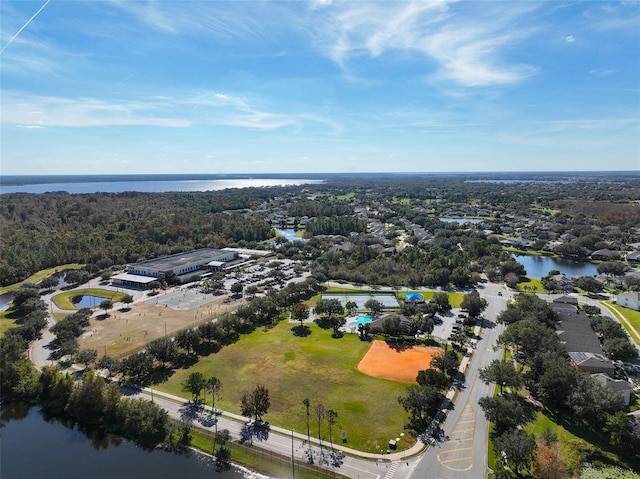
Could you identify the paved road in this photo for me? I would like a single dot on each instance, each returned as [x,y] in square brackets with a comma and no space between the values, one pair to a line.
[461,451]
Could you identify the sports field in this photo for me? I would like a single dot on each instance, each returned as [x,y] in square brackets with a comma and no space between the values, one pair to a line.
[388,301]
[317,367]
[127,331]
[398,364]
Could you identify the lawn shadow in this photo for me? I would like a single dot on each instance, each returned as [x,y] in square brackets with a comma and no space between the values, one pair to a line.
[160,374]
[185,361]
[301,331]
[205,349]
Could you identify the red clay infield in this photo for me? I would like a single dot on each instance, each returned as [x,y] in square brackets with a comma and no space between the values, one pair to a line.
[403,365]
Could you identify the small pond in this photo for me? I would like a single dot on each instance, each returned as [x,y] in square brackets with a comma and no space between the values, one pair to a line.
[461,221]
[289,233]
[5,299]
[539,266]
[87,301]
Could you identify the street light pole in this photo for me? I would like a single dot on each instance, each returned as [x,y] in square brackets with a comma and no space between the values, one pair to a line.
[293,461]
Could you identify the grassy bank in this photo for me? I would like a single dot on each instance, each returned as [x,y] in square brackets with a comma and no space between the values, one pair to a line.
[261,460]
[63,300]
[40,275]
[5,322]
[630,319]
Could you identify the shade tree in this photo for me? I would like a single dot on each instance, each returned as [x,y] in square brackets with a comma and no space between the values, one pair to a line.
[194,384]
[255,403]
[518,447]
[421,403]
[86,357]
[473,303]
[502,373]
[505,412]
[163,350]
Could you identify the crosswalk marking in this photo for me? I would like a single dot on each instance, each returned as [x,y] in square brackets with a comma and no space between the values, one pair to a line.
[392,470]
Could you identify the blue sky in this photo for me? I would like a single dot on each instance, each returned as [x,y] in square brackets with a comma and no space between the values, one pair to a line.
[130,86]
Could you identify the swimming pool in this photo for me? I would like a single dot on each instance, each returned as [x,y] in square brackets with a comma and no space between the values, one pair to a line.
[361,320]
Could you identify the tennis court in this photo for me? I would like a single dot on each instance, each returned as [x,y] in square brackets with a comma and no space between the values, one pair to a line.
[388,301]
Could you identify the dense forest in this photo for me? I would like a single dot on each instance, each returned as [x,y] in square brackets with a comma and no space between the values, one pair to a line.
[41,231]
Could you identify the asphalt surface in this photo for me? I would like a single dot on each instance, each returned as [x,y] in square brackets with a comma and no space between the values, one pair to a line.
[460,452]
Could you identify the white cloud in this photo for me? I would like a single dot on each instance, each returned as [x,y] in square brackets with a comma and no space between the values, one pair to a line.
[30,111]
[603,72]
[570,38]
[465,42]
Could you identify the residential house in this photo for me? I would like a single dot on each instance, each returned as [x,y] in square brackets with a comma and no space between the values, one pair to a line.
[619,385]
[580,341]
[630,299]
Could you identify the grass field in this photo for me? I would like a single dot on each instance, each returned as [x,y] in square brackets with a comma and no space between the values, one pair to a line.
[263,461]
[534,283]
[126,332]
[317,367]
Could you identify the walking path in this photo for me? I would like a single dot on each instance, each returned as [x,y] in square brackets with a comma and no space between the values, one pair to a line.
[395,456]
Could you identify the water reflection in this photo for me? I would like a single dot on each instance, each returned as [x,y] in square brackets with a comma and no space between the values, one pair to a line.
[539,266]
[35,446]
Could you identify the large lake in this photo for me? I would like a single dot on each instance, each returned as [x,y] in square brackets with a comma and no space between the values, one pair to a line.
[33,448]
[539,266]
[152,186]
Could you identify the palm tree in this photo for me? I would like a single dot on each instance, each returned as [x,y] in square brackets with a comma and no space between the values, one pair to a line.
[320,414]
[331,419]
[307,405]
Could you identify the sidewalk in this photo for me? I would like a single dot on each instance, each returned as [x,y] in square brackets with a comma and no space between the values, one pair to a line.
[417,448]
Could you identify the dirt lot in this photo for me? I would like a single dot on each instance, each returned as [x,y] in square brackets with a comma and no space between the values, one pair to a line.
[403,365]
[123,333]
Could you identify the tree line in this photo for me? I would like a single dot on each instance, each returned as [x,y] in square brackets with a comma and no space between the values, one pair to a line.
[46,230]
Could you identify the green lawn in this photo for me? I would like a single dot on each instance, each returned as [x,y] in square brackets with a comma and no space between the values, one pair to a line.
[261,460]
[63,300]
[632,316]
[317,367]
[531,283]
[40,275]
[5,322]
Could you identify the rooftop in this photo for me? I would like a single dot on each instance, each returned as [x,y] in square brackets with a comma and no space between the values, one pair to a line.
[172,261]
